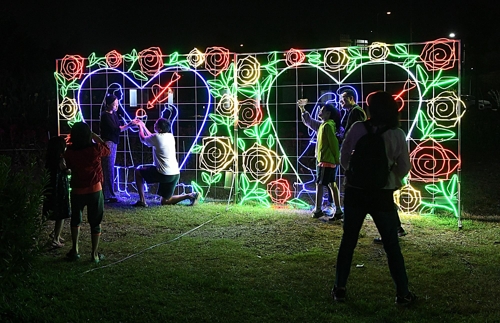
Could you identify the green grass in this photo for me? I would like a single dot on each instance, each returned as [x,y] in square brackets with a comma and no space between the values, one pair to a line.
[251,264]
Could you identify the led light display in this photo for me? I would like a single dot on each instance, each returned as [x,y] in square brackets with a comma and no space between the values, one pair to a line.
[239,134]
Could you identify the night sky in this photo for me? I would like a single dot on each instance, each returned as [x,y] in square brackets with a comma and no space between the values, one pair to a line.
[86,26]
[36,33]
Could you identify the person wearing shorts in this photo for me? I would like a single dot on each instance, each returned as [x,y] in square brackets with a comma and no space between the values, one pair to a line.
[327,155]
[313,124]
[83,158]
[165,168]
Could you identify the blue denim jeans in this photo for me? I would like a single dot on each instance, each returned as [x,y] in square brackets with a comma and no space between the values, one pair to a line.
[387,223]
[108,169]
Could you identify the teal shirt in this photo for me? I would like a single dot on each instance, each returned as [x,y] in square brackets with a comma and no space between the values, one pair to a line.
[327,145]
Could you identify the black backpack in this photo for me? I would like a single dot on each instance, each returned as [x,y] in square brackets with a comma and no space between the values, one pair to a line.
[368,165]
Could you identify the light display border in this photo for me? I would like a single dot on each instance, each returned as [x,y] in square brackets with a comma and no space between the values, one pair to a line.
[248,99]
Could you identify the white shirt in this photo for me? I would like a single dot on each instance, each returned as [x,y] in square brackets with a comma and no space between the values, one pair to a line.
[164,157]
[395,146]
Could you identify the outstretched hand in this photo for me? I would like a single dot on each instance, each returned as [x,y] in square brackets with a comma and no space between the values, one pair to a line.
[302,103]
[137,122]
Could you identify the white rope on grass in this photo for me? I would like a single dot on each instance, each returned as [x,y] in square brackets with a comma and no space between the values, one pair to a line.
[156,245]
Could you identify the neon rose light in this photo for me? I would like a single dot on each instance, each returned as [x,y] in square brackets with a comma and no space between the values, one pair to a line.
[439,54]
[195,58]
[294,57]
[432,162]
[216,60]
[151,60]
[114,59]
[248,71]
[279,191]
[226,105]
[378,51]
[217,154]
[408,199]
[444,109]
[259,163]
[68,108]
[72,67]
[249,114]
[336,60]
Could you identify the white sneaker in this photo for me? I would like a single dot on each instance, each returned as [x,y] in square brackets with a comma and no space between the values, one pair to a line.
[328,211]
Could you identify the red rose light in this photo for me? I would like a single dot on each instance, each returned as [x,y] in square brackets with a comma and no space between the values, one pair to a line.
[432,162]
[249,114]
[279,191]
[71,67]
[151,60]
[439,54]
[113,59]
[216,60]
[294,57]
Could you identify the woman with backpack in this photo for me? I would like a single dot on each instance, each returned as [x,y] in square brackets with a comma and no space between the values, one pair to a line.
[371,182]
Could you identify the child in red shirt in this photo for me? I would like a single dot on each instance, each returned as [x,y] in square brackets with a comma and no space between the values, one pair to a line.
[83,157]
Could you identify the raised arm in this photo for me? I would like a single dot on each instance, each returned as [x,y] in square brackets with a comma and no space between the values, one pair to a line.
[306,117]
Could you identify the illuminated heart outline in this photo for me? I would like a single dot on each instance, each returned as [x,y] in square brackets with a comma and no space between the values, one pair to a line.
[184,69]
[339,83]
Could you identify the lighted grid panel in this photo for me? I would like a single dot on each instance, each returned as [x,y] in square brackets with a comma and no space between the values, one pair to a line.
[239,135]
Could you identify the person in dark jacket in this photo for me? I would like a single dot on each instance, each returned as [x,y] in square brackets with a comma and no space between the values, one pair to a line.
[110,132]
[379,203]
[351,111]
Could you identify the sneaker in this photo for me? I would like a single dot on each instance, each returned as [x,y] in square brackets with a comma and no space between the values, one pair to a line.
[72,255]
[111,200]
[338,294]
[140,204]
[407,300]
[401,232]
[328,211]
[100,257]
[337,217]
[317,214]
[195,198]
[378,241]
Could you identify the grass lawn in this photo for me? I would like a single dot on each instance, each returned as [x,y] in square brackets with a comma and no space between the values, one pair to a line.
[251,264]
